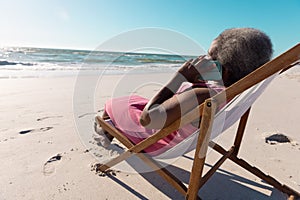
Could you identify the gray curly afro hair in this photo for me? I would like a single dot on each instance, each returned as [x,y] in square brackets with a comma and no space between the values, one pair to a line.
[242,50]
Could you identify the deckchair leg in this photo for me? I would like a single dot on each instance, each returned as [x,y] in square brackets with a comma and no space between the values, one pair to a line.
[257,172]
[232,152]
[168,176]
[215,167]
[270,180]
[240,132]
[202,145]
[163,172]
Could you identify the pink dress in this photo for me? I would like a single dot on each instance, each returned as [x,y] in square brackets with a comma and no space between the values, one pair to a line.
[125,113]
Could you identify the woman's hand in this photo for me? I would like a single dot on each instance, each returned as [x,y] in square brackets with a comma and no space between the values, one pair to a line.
[192,69]
[165,107]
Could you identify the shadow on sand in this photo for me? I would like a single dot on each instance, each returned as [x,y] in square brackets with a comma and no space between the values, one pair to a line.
[223,185]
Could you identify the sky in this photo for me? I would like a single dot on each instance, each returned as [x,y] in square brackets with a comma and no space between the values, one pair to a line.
[79,24]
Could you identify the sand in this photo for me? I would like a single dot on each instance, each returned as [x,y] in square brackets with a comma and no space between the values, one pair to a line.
[47,148]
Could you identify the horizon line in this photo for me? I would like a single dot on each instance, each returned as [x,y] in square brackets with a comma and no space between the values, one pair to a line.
[85,49]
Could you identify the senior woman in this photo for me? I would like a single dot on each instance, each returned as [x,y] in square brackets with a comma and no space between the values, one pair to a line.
[233,54]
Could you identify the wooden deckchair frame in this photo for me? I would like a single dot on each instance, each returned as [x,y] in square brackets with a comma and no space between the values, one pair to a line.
[207,111]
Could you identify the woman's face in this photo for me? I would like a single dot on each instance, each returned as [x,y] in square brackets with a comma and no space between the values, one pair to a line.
[212,51]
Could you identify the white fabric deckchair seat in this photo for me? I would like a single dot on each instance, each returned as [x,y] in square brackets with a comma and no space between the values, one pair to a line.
[224,119]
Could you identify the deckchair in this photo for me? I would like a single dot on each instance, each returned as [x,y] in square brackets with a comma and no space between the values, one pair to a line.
[242,95]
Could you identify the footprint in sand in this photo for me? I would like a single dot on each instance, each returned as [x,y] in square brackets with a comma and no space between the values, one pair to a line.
[49,166]
[86,114]
[47,128]
[48,117]
[26,131]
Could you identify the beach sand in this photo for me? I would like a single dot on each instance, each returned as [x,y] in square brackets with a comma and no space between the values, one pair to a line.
[44,156]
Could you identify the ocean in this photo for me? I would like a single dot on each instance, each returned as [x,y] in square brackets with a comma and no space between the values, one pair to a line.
[24,62]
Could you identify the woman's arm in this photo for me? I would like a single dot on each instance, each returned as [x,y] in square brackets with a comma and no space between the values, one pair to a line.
[155,110]
[165,107]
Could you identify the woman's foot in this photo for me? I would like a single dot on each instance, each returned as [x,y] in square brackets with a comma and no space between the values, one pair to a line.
[102,136]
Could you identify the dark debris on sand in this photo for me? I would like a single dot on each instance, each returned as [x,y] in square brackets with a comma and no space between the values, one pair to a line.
[277,138]
[109,172]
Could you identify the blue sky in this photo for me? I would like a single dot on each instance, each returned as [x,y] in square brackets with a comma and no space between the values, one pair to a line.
[87,24]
